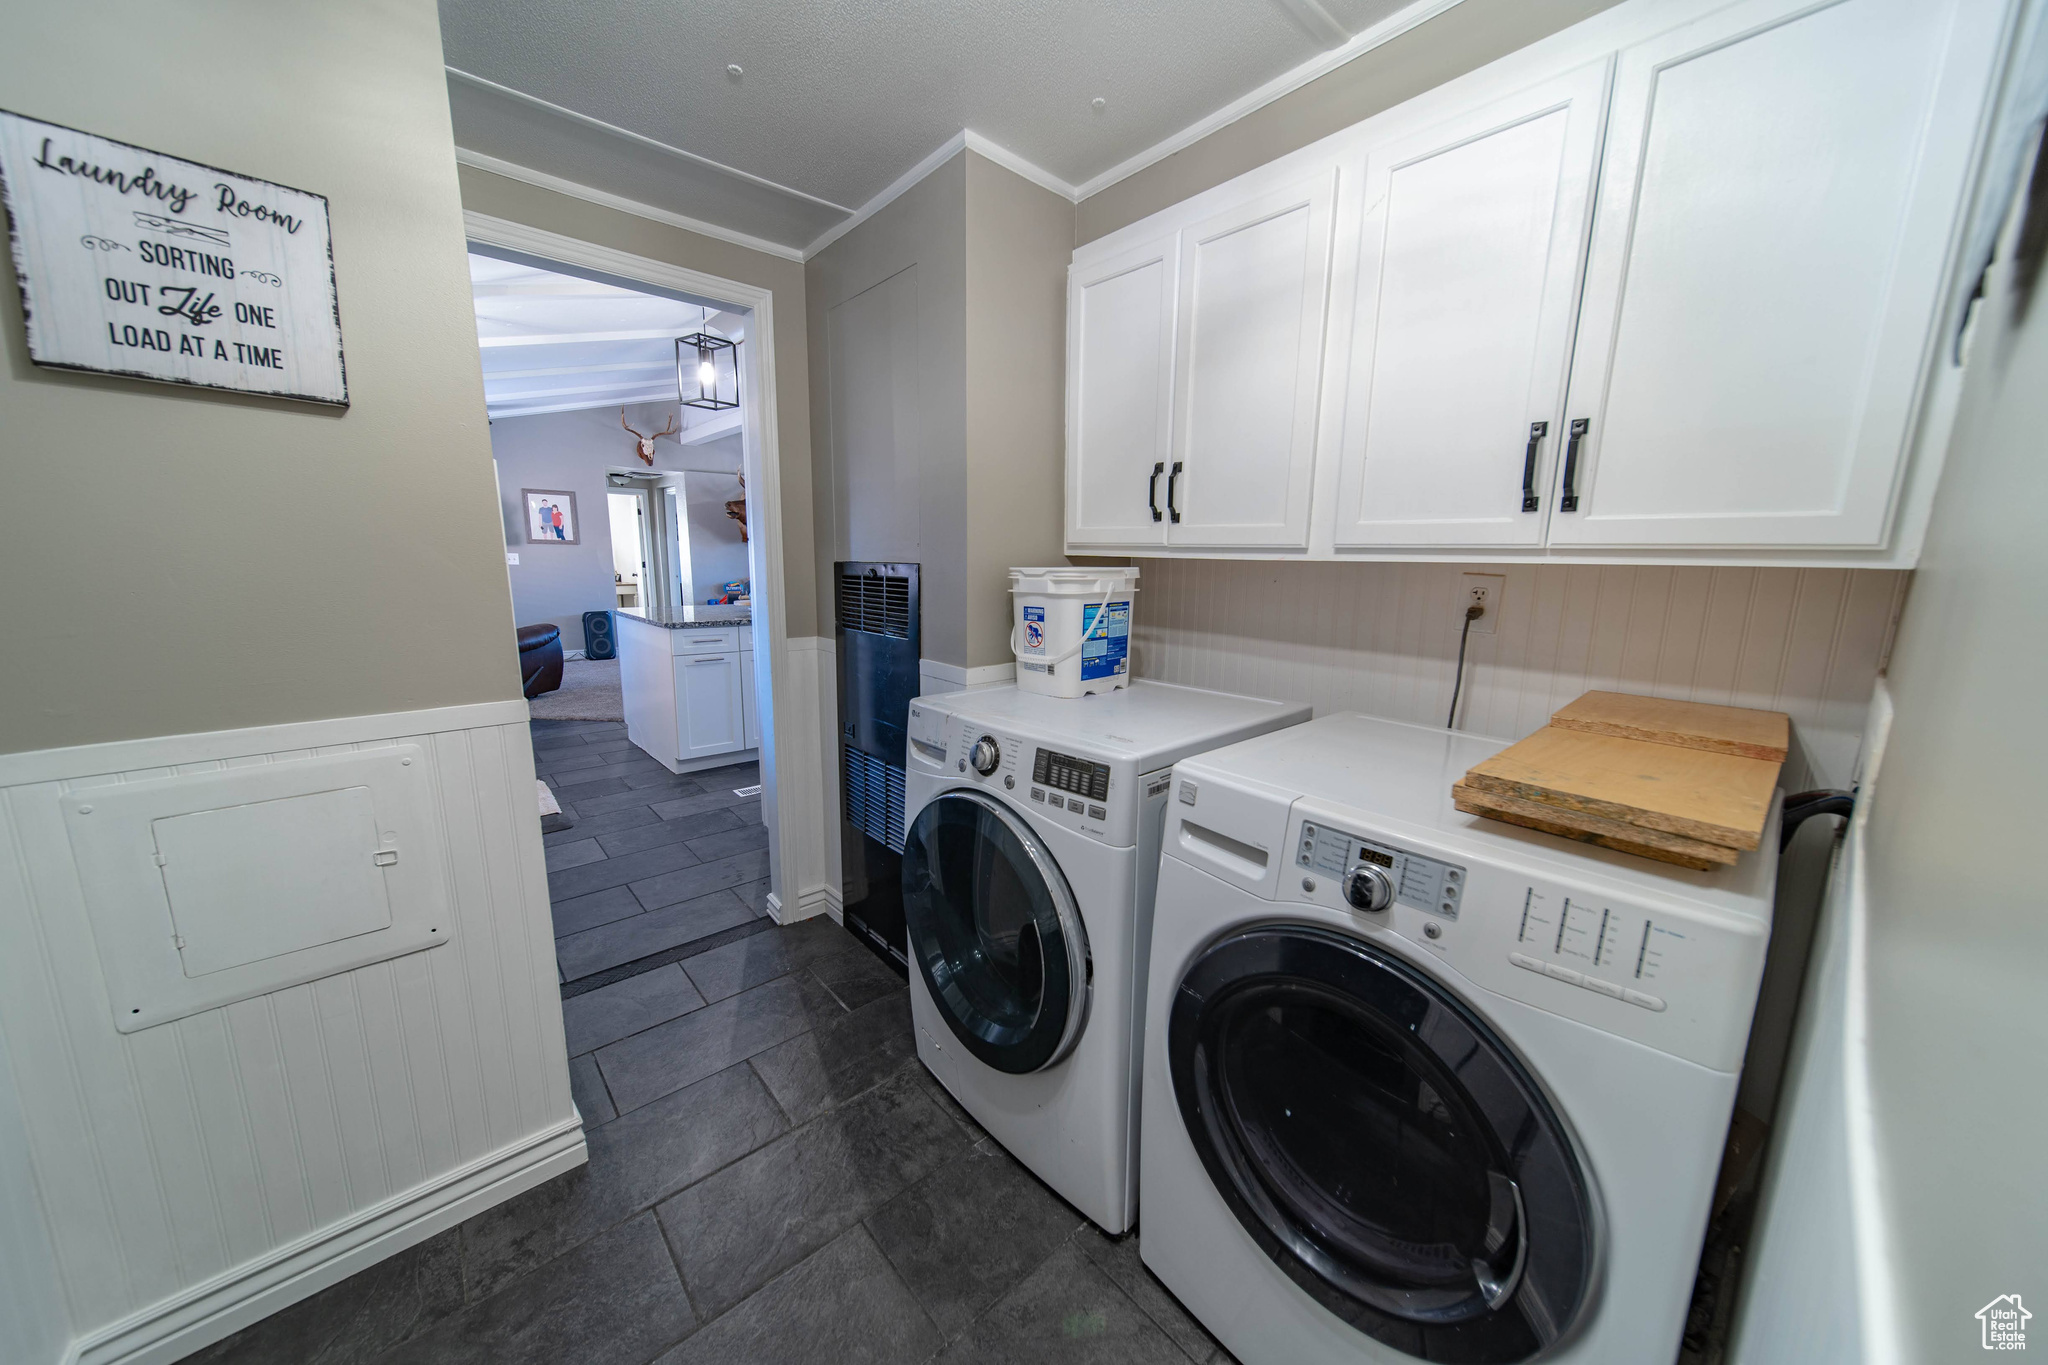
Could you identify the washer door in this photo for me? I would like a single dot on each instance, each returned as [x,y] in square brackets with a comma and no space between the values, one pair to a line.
[995,932]
[1382,1145]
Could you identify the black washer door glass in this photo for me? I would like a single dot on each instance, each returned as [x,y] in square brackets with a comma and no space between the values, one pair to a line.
[993,930]
[1381,1145]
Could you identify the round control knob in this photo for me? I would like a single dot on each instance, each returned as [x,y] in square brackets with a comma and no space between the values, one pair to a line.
[985,755]
[1368,887]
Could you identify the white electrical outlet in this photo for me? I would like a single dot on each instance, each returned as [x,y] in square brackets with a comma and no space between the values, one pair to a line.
[1486,590]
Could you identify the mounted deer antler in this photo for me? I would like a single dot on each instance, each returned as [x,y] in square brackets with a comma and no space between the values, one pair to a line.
[644,445]
[736,508]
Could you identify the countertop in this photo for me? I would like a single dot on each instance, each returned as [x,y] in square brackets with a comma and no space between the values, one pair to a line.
[691,618]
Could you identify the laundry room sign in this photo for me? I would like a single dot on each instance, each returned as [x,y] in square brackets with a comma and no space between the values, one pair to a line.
[136,263]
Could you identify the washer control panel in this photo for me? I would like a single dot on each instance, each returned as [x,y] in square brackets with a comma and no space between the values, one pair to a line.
[1422,882]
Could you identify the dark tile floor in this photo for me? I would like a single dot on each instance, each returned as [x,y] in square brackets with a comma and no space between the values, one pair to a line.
[773,1176]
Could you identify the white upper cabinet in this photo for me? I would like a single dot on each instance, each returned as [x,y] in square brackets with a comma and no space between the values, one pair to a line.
[1668,285]
[1120,394]
[1769,252]
[1254,287]
[1468,274]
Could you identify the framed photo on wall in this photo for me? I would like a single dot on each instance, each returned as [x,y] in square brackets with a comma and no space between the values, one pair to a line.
[551,517]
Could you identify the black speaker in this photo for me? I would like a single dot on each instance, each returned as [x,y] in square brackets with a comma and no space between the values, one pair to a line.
[597,636]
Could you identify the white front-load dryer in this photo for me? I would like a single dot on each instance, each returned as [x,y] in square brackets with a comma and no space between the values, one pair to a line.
[1032,843]
[1419,1085]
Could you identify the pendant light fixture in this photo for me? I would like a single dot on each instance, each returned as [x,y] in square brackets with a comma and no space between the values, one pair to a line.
[707,370]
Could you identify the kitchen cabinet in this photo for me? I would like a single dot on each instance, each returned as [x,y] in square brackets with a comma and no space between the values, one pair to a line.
[709,716]
[1119,394]
[750,705]
[1668,286]
[1467,279]
[1253,290]
[1767,267]
[688,691]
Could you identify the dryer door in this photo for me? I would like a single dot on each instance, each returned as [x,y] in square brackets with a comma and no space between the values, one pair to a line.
[1382,1145]
[994,929]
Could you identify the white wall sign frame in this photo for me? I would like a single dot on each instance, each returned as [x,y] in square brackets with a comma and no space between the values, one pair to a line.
[136,263]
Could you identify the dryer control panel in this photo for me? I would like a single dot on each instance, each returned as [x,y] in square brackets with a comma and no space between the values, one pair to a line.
[1426,883]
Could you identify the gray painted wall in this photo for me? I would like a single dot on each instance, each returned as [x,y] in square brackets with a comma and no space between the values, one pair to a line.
[938,347]
[718,552]
[572,450]
[183,561]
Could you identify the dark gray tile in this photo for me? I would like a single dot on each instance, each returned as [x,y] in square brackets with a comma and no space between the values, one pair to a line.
[749,811]
[755,894]
[735,1230]
[581,881]
[615,1298]
[365,1314]
[969,1231]
[687,882]
[612,1012]
[842,1306]
[612,749]
[682,807]
[943,1098]
[658,831]
[566,761]
[1069,1311]
[645,934]
[635,1161]
[611,822]
[574,854]
[599,805]
[733,968]
[712,847]
[840,1058]
[586,1087]
[653,776]
[670,1056]
[578,913]
[585,783]
[1119,1259]
[857,977]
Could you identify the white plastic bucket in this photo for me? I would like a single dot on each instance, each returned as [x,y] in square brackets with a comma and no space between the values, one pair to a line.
[1071,629]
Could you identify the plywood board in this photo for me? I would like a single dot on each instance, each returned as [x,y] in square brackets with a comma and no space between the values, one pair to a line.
[1594,829]
[1736,730]
[1714,798]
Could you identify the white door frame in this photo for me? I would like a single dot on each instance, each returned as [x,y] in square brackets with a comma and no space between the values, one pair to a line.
[791,747]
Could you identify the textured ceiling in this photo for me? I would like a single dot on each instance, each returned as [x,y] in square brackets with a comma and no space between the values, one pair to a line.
[838,98]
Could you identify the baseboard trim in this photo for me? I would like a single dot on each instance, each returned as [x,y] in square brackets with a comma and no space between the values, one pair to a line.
[165,751]
[174,1328]
[821,900]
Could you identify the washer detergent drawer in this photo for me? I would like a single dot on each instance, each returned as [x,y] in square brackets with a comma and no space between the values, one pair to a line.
[1234,832]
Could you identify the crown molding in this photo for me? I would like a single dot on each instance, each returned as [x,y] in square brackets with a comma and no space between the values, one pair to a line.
[1385,31]
[542,180]
[966,139]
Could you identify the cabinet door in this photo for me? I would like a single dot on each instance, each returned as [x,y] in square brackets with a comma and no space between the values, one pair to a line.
[708,715]
[750,704]
[1778,196]
[1468,278]
[1119,395]
[1254,285]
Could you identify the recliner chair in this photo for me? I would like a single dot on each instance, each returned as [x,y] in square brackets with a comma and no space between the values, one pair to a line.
[540,658]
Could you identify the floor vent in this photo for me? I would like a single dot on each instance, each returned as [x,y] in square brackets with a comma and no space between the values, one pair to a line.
[874,798]
[874,602]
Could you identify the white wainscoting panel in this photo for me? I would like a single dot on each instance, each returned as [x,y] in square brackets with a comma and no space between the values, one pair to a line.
[810,805]
[1383,638]
[200,1173]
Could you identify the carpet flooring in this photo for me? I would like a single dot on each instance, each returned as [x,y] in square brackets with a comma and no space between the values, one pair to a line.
[589,691]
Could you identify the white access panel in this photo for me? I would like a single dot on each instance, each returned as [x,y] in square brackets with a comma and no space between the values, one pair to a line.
[231,904]
[207,888]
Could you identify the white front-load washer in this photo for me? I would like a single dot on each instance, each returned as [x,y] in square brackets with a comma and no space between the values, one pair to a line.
[1419,1085]
[1033,827]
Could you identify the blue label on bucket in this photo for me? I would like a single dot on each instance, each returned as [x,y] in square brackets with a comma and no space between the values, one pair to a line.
[1034,627]
[1108,651]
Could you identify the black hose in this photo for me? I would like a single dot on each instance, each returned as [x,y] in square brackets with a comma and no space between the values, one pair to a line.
[1472,613]
[1802,806]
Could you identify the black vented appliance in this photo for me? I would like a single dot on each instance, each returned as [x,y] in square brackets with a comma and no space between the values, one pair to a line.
[878,649]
